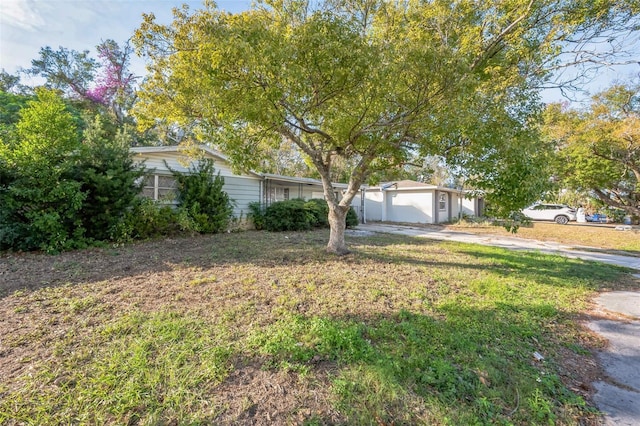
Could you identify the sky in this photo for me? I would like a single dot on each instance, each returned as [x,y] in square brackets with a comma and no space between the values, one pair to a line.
[28,25]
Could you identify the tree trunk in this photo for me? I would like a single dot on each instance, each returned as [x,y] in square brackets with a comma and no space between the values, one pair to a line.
[338,223]
[338,207]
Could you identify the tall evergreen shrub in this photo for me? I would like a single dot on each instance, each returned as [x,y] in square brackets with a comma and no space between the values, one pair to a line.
[59,188]
[200,194]
[40,203]
[108,178]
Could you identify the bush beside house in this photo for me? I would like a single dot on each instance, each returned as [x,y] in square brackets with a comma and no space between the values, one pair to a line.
[295,215]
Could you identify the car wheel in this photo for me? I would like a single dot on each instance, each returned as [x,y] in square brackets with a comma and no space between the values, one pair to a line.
[562,220]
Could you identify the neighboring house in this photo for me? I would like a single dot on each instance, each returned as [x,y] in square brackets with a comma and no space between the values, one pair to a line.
[415,202]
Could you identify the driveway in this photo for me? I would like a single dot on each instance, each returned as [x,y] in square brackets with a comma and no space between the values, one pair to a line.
[511,243]
[618,394]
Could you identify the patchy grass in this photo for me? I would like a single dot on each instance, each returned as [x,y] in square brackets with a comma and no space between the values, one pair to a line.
[261,328]
[596,236]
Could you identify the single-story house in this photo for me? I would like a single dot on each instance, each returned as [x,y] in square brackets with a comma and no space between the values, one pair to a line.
[403,201]
[243,188]
[408,201]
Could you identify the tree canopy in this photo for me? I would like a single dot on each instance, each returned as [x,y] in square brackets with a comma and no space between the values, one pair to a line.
[368,84]
[106,83]
[599,147]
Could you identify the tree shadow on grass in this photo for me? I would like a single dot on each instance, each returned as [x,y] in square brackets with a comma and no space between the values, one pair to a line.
[31,271]
[546,269]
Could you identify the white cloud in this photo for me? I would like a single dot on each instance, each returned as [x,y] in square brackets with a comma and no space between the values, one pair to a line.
[23,14]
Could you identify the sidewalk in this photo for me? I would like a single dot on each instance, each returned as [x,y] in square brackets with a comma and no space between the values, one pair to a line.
[618,394]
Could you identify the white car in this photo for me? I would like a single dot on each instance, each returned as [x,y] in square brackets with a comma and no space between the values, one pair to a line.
[559,213]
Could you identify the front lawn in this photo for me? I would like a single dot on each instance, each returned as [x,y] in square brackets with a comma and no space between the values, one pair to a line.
[266,328]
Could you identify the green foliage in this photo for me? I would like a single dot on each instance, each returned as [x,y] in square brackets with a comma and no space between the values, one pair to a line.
[60,190]
[297,215]
[67,70]
[200,194]
[598,147]
[149,219]
[288,215]
[320,211]
[10,106]
[256,215]
[108,177]
[352,218]
[40,202]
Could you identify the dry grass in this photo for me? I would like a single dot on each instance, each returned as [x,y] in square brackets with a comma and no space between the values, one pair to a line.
[265,328]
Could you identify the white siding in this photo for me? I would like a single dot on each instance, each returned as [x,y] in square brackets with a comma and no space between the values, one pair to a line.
[469,206]
[455,205]
[178,162]
[242,189]
[373,205]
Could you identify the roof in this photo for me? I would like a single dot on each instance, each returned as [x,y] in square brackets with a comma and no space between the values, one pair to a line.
[410,185]
[178,148]
[185,150]
[306,181]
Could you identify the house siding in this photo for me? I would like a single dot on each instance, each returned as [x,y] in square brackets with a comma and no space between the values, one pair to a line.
[241,189]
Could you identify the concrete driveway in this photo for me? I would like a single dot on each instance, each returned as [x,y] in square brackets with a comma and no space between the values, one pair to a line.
[618,394]
[512,243]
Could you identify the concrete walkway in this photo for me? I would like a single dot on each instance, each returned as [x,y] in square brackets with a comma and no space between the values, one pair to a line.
[617,395]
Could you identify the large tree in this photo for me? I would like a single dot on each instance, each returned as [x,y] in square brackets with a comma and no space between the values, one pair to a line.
[599,147]
[107,83]
[369,84]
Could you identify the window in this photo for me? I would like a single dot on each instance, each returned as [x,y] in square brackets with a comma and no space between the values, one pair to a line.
[278,193]
[442,202]
[159,187]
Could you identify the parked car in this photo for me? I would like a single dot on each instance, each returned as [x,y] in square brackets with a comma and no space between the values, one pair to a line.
[559,213]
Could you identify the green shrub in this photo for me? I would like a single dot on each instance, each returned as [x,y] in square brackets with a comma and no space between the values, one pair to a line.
[60,189]
[320,211]
[256,215]
[40,202]
[289,215]
[107,174]
[352,218]
[149,219]
[299,215]
[200,194]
